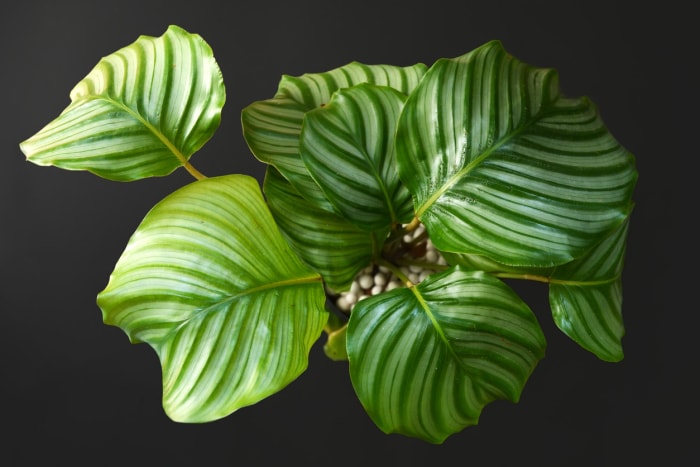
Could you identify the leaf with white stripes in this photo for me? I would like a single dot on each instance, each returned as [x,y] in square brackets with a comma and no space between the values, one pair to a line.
[586,297]
[141,112]
[209,282]
[425,360]
[500,164]
[328,243]
[348,148]
[272,127]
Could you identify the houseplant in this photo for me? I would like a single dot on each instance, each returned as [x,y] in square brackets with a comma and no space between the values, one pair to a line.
[397,201]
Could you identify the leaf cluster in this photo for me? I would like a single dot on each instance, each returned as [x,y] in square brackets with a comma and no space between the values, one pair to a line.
[230,282]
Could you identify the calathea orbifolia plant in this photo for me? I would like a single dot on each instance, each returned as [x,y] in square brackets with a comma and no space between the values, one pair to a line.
[396,202]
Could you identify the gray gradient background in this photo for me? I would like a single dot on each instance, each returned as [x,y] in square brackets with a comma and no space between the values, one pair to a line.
[76,392]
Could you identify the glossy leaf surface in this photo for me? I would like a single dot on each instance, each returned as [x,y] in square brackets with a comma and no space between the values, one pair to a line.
[208,281]
[328,243]
[141,112]
[348,148]
[502,165]
[425,360]
[586,297]
[272,127]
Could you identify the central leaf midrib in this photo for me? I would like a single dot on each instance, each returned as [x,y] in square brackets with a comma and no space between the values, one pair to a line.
[376,173]
[212,307]
[436,325]
[464,171]
[156,132]
[269,286]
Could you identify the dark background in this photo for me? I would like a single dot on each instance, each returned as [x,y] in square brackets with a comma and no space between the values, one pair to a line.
[75,391]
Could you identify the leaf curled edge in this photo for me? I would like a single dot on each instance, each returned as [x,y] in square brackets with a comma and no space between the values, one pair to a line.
[208,281]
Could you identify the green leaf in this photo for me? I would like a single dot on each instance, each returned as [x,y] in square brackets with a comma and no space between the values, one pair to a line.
[482,263]
[272,127]
[500,164]
[141,112]
[586,297]
[348,148]
[335,347]
[209,282]
[425,360]
[328,243]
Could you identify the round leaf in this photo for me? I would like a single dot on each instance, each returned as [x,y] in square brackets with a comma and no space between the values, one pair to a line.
[348,148]
[425,360]
[501,165]
[208,281]
[272,127]
[141,112]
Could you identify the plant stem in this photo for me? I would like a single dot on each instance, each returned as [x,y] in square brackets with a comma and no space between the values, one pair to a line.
[396,271]
[413,225]
[192,171]
[527,277]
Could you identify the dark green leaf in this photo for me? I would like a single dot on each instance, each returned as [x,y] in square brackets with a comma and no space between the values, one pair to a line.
[500,164]
[328,243]
[425,360]
[348,148]
[586,297]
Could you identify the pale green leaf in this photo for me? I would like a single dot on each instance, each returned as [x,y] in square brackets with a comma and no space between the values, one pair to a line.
[209,282]
[141,112]
[335,347]
[425,360]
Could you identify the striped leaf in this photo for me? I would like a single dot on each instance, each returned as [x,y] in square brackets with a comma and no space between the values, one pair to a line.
[208,281]
[586,297]
[482,263]
[272,127]
[500,164]
[328,243]
[348,148]
[425,360]
[141,112]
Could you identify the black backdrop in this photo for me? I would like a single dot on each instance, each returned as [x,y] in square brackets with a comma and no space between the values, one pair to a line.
[76,392]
